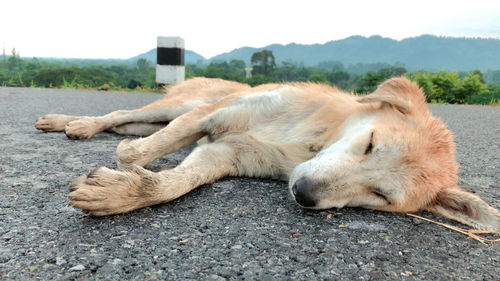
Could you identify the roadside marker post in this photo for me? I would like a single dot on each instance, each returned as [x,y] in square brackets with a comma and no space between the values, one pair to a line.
[169,60]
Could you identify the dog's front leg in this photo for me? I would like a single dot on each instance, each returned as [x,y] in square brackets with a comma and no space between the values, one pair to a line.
[181,132]
[106,192]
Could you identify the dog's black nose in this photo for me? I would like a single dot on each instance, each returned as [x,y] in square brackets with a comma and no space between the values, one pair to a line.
[302,190]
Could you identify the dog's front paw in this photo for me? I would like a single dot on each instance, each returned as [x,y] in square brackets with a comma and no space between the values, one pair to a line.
[129,154]
[53,122]
[107,192]
[83,128]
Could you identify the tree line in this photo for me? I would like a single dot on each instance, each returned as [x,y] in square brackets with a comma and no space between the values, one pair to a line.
[18,72]
[440,87]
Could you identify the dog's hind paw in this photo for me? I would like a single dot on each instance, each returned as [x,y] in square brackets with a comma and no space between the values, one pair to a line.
[53,122]
[83,128]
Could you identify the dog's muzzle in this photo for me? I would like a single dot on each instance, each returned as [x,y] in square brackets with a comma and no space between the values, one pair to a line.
[302,190]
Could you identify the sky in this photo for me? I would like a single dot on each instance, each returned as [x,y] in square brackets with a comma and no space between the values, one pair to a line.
[123,29]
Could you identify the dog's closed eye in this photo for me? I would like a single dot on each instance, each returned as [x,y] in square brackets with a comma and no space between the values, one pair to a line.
[378,193]
[369,147]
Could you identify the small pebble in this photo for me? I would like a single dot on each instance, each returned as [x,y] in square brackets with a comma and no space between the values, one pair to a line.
[79,267]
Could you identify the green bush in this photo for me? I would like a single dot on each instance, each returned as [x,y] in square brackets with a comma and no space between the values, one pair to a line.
[133,84]
[338,78]
[369,82]
[71,76]
[318,78]
[449,87]
[258,80]
[490,97]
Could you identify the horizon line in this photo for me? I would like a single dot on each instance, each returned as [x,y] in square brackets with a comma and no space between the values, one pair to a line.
[282,44]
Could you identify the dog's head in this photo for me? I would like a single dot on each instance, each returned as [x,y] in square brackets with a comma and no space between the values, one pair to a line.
[391,155]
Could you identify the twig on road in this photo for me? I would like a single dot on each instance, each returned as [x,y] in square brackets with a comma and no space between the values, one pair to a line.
[472,233]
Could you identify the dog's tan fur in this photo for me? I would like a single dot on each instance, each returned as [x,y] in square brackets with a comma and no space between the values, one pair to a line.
[383,151]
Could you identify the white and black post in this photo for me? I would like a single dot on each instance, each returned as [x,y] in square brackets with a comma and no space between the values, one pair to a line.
[169,60]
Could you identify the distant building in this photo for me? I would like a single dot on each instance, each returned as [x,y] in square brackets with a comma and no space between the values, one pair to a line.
[248,70]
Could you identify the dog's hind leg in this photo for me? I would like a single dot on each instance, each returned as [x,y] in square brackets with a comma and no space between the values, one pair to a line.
[140,129]
[58,122]
[157,113]
[180,99]
[105,191]
[161,111]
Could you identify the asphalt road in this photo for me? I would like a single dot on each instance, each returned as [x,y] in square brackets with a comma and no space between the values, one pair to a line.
[235,229]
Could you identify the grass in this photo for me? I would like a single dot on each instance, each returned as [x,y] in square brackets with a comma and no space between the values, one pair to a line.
[74,85]
[108,87]
[67,84]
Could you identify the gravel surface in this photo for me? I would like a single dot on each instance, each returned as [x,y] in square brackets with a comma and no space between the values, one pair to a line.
[235,229]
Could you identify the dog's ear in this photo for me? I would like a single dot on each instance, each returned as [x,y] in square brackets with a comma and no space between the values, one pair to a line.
[399,93]
[467,208]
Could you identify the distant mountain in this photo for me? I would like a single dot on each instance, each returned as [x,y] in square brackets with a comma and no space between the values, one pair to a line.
[422,52]
[190,57]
